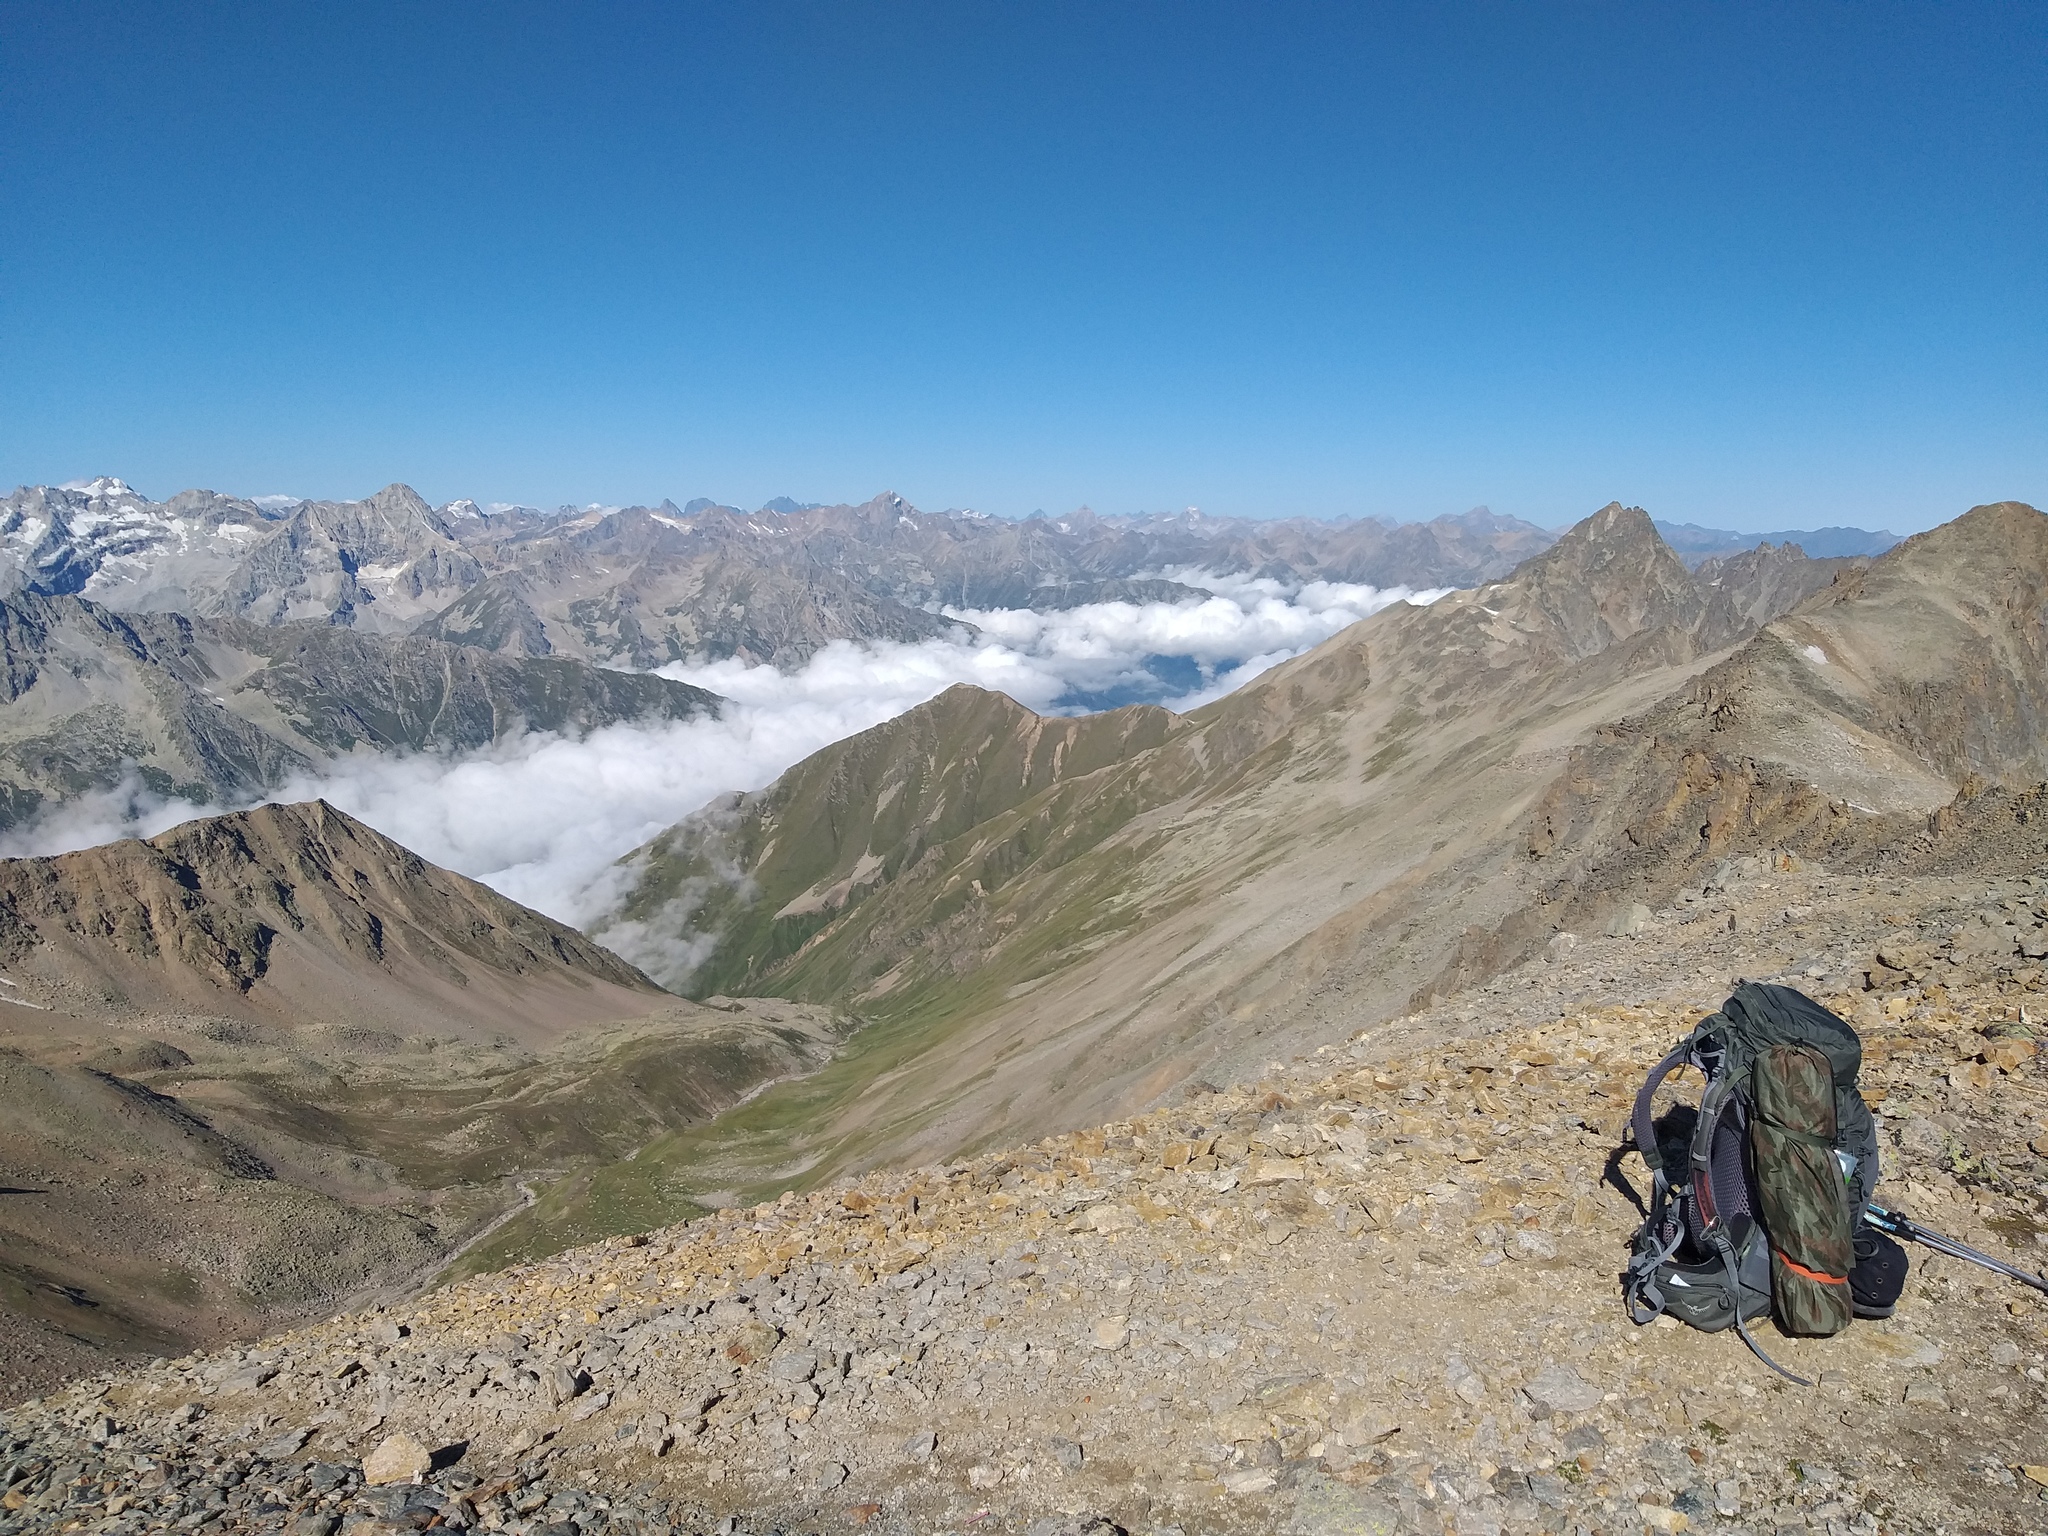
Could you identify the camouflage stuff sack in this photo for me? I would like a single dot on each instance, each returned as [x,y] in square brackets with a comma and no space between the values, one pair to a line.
[1756,1197]
[1800,1191]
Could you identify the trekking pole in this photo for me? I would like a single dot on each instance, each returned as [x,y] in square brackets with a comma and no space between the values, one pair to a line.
[1904,1226]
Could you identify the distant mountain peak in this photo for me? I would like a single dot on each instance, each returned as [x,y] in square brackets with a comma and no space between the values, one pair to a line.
[104,488]
[1613,533]
[402,498]
[887,504]
[1610,577]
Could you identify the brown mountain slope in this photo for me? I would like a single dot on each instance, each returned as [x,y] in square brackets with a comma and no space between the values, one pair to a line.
[1838,730]
[1277,1308]
[269,1061]
[192,1180]
[1321,846]
[299,914]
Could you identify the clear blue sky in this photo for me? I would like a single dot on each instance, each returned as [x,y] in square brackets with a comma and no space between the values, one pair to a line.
[1754,266]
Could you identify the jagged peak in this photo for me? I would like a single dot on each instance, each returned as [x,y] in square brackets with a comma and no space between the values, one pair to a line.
[886,503]
[395,500]
[400,497]
[1608,577]
[1615,537]
[1616,522]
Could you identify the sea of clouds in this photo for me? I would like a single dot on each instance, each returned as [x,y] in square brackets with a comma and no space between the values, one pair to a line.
[543,818]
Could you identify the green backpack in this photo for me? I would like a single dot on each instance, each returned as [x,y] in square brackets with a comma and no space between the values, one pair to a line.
[1754,1205]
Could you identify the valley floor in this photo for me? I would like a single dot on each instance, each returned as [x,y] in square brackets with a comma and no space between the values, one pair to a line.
[1374,1292]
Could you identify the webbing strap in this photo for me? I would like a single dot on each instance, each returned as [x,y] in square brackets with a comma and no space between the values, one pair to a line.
[1727,1252]
[1644,1296]
[1645,1131]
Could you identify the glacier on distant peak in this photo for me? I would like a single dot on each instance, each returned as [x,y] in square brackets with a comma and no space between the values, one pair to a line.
[104,487]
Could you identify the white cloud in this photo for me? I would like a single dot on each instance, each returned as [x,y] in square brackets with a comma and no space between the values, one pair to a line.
[1103,648]
[99,816]
[542,818]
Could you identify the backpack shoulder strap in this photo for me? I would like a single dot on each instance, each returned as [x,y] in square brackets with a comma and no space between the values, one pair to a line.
[1640,1122]
[1722,1086]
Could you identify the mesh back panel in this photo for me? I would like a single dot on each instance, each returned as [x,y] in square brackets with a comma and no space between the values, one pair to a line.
[1731,1179]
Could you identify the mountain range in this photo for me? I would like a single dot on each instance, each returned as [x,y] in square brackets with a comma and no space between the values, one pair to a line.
[270,1061]
[1692,543]
[1050,922]
[642,586]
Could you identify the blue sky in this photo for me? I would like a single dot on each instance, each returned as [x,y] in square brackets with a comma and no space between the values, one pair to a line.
[1747,266]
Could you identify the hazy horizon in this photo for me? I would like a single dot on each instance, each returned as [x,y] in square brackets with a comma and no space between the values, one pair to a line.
[280,499]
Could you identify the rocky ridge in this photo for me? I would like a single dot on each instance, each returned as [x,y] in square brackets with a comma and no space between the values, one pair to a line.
[105,536]
[1372,1291]
[1109,907]
[298,913]
[640,586]
[379,564]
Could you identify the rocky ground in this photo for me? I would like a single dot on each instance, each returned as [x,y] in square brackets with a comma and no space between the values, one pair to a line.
[1374,1292]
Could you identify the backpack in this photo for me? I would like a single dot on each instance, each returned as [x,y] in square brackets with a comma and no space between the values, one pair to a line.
[1755,1205]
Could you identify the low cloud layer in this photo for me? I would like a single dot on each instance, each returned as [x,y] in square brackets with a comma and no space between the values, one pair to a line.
[542,817]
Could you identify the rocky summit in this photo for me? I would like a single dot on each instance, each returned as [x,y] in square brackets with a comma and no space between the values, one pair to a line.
[1372,1291]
